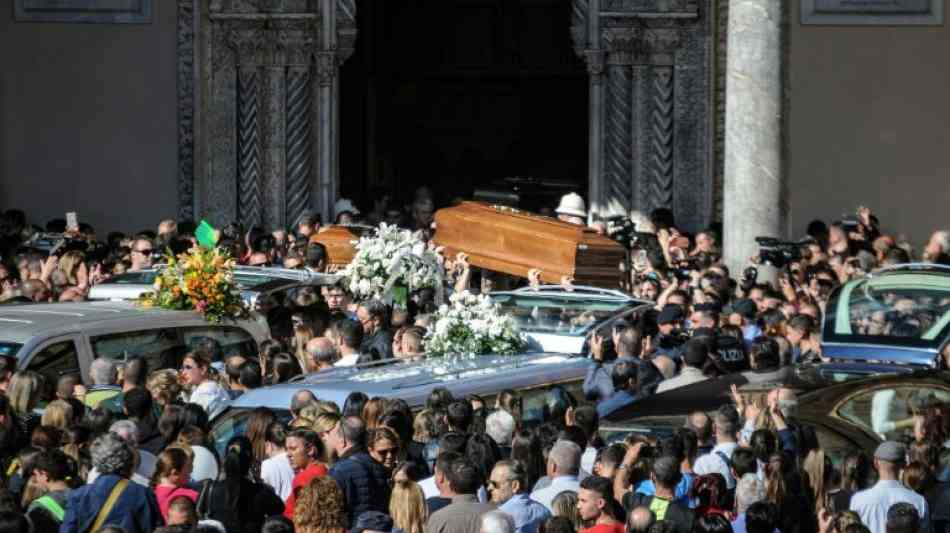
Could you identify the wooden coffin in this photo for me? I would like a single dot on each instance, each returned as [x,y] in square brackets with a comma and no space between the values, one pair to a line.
[340,243]
[513,242]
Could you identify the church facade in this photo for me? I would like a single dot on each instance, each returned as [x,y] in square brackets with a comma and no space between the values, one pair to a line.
[260,115]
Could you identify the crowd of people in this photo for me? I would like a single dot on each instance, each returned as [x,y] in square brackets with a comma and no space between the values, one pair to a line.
[128,448]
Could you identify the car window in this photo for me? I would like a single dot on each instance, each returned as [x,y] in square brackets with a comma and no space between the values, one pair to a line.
[56,360]
[533,400]
[162,347]
[889,411]
[234,424]
[548,313]
[835,446]
[911,310]
[230,339]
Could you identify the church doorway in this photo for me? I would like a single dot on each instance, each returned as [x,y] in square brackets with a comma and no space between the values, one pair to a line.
[462,96]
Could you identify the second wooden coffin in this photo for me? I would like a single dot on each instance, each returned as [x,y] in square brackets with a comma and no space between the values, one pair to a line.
[513,242]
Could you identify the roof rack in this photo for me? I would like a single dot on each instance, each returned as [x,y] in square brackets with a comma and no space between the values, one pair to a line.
[579,290]
[915,267]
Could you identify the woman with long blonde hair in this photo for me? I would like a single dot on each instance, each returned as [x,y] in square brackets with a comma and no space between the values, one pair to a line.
[319,509]
[23,392]
[323,424]
[819,474]
[302,335]
[407,507]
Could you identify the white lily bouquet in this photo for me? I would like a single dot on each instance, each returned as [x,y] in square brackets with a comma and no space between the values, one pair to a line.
[472,325]
[388,258]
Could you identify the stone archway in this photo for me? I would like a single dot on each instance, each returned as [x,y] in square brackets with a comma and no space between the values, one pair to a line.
[259,105]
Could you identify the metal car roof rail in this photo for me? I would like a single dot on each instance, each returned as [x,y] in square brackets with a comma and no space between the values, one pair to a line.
[910,267]
[579,289]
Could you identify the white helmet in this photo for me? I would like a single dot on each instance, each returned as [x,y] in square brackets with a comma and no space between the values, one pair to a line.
[572,205]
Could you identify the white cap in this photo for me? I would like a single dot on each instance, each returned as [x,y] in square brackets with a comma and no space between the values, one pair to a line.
[343,204]
[573,205]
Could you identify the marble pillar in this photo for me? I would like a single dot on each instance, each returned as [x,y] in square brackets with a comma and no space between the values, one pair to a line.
[754,200]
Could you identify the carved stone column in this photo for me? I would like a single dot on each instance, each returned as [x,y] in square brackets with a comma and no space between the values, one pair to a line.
[298,110]
[650,143]
[249,45]
[265,107]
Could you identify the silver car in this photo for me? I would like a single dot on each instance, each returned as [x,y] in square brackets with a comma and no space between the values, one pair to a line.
[253,282]
[64,338]
[533,375]
[556,320]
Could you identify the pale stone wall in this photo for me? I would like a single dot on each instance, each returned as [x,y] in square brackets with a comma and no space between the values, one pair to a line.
[870,123]
[88,120]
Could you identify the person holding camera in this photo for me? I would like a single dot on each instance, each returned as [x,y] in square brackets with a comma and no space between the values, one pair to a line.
[669,341]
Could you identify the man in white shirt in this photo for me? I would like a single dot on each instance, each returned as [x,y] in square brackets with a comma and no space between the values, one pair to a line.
[348,335]
[719,460]
[695,354]
[564,462]
[872,504]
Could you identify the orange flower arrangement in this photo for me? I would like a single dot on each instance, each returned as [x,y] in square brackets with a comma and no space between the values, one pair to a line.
[201,280]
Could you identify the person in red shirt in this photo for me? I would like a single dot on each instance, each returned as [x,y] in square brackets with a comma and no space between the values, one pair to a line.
[595,506]
[304,449]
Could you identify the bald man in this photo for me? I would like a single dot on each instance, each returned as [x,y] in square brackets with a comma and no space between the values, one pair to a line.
[322,353]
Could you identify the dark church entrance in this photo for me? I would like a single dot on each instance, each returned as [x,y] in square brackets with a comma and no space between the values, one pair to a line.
[460,95]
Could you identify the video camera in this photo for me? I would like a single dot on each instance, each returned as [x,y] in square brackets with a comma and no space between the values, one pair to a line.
[56,243]
[779,253]
[624,231]
[621,229]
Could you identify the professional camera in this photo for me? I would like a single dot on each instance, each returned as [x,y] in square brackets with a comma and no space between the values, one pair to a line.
[621,229]
[779,253]
[56,243]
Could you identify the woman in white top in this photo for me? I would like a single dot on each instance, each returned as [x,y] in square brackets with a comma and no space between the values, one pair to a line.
[276,470]
[206,392]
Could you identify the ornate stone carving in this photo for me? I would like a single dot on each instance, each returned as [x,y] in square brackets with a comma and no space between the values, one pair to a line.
[326,67]
[661,131]
[661,6]
[596,62]
[624,45]
[619,143]
[346,29]
[249,45]
[250,208]
[650,129]
[297,46]
[298,144]
[661,41]
[579,14]
[186,109]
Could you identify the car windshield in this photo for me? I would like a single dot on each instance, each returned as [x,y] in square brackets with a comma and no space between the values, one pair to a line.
[9,348]
[245,281]
[562,315]
[911,310]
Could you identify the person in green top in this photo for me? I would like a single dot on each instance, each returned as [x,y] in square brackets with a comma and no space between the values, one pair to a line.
[134,375]
[51,472]
[104,382]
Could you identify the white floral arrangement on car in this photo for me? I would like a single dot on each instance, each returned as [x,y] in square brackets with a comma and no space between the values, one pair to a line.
[392,258]
[472,325]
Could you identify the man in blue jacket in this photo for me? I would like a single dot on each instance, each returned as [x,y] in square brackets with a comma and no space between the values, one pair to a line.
[364,482]
[112,499]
